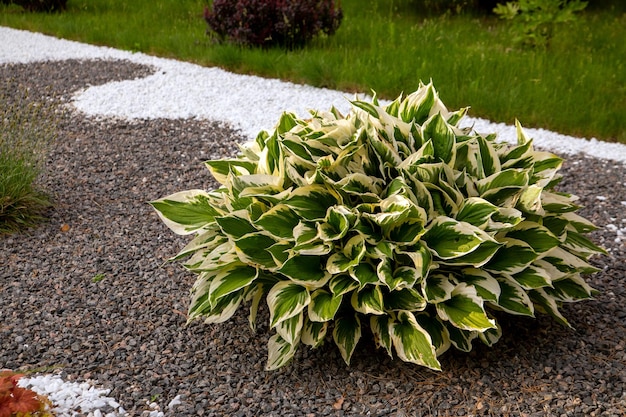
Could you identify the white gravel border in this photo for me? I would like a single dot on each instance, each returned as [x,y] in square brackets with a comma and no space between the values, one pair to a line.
[183,90]
[249,103]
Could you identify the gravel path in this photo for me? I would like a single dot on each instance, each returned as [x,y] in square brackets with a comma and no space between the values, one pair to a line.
[127,333]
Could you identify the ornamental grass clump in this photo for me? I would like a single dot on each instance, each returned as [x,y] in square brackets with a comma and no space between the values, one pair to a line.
[392,218]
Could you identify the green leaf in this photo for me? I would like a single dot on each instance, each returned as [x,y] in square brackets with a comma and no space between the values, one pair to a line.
[537,236]
[558,202]
[311,202]
[253,249]
[437,330]
[186,212]
[352,253]
[413,343]
[533,277]
[342,284]
[548,305]
[465,310]
[570,289]
[513,299]
[346,335]
[450,239]
[461,339]
[499,186]
[313,333]
[323,305]
[491,336]
[256,294]
[364,273]
[306,270]
[567,262]
[279,221]
[408,299]
[231,279]
[236,224]
[335,225]
[416,107]
[512,257]
[221,168]
[442,135]
[224,308]
[489,156]
[438,288]
[368,300]
[380,329]
[285,300]
[291,328]
[487,287]
[476,211]
[580,245]
[279,352]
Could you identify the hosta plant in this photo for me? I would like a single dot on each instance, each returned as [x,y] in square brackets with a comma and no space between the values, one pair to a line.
[392,218]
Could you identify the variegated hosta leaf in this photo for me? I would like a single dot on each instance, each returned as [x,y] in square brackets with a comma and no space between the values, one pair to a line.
[291,328]
[346,335]
[486,286]
[449,238]
[476,211]
[311,202]
[513,299]
[306,270]
[233,278]
[368,300]
[491,336]
[278,221]
[279,352]
[548,305]
[223,309]
[285,300]
[408,299]
[380,329]
[392,214]
[336,224]
[461,339]
[186,212]
[438,331]
[323,306]
[465,310]
[351,256]
[314,333]
[412,342]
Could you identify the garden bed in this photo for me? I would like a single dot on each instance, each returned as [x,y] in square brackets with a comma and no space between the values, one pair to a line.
[88,294]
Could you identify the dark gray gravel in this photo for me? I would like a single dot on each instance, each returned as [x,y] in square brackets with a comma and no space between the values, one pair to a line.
[127,331]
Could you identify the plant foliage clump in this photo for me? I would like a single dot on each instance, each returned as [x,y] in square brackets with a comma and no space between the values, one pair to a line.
[16,401]
[394,218]
[289,24]
[27,130]
[534,20]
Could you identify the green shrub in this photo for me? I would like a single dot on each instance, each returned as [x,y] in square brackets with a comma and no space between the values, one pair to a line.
[27,129]
[39,5]
[393,218]
[534,20]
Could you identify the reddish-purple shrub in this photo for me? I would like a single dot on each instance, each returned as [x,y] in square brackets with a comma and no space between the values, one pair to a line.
[286,23]
[39,5]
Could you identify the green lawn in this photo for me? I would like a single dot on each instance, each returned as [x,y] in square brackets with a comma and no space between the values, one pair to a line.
[577,86]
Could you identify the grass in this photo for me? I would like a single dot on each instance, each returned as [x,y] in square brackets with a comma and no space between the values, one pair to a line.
[27,129]
[577,86]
